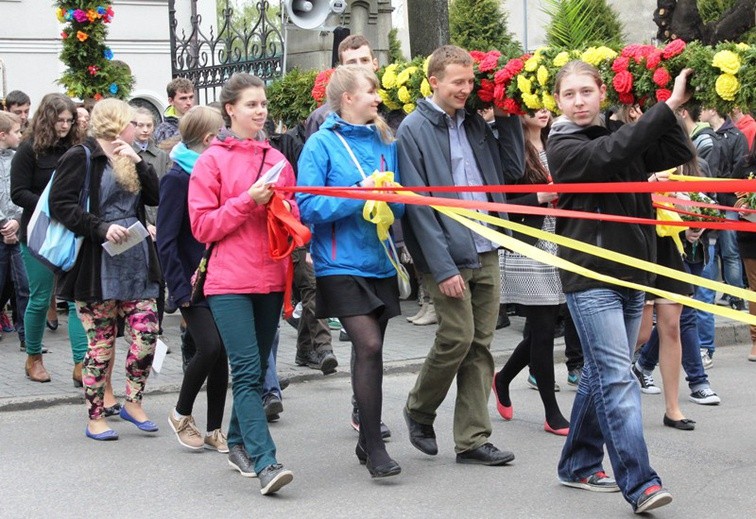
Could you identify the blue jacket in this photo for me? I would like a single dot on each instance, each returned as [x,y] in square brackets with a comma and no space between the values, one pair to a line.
[179,251]
[343,242]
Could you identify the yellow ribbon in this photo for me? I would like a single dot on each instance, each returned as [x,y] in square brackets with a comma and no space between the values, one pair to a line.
[672,231]
[379,213]
[468,218]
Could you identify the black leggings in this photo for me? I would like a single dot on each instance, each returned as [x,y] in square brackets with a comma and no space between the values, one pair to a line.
[537,350]
[366,333]
[209,363]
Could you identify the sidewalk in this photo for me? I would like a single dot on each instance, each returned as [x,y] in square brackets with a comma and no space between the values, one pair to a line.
[405,349]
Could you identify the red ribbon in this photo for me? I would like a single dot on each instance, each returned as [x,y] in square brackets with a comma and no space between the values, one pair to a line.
[374,194]
[285,233]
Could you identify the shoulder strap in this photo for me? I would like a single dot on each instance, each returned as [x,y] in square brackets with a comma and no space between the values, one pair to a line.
[351,154]
[84,195]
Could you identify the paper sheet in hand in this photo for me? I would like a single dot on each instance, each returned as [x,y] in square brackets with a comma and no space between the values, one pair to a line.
[271,176]
[137,233]
[161,349]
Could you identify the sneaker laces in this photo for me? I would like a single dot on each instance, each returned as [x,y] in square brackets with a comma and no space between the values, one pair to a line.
[187,424]
[216,436]
[706,392]
[648,380]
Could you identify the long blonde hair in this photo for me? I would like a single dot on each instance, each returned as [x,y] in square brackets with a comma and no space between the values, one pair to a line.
[109,118]
[346,79]
[197,123]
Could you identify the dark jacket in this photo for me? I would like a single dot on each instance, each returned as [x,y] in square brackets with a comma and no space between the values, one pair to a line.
[746,239]
[83,281]
[593,154]
[438,244]
[30,174]
[179,251]
[733,147]
[161,162]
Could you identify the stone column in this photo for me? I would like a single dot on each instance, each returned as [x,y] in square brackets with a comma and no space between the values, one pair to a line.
[428,25]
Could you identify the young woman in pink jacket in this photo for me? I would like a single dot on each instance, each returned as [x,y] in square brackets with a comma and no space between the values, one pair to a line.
[244,286]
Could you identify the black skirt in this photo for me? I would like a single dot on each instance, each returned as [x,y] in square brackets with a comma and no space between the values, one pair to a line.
[667,255]
[346,296]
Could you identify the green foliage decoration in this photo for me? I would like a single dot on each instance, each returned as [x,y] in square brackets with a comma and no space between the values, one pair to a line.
[289,98]
[481,25]
[582,23]
[91,72]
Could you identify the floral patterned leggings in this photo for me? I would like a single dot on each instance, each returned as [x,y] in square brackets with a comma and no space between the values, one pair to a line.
[99,320]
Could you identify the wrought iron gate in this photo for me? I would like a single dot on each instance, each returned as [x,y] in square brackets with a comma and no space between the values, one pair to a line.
[208,60]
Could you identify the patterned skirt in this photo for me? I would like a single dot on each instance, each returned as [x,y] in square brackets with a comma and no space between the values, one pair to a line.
[529,282]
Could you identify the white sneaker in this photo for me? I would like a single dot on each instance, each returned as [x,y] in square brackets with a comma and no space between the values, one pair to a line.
[706,360]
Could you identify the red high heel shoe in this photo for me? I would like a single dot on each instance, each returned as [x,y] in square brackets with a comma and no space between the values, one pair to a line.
[506,412]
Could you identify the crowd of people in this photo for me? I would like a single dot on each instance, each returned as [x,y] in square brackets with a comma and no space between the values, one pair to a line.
[202,185]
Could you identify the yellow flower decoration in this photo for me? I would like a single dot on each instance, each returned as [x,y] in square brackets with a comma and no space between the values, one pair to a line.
[532,63]
[726,61]
[425,88]
[404,75]
[561,59]
[524,84]
[384,95]
[727,86]
[742,46]
[409,108]
[549,103]
[425,66]
[92,15]
[542,75]
[82,36]
[389,76]
[59,14]
[532,101]
[596,55]
[403,94]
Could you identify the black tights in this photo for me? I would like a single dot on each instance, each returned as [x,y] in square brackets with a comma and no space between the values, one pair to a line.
[536,349]
[208,363]
[366,333]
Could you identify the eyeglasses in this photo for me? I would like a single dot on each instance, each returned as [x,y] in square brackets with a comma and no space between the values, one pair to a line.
[65,121]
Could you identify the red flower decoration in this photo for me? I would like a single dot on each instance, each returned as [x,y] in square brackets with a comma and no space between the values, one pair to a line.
[92,69]
[490,62]
[623,82]
[502,77]
[500,92]
[97,96]
[663,94]
[64,35]
[620,64]
[477,55]
[626,99]
[673,48]
[511,106]
[321,82]
[514,66]
[661,77]
[653,59]
[486,90]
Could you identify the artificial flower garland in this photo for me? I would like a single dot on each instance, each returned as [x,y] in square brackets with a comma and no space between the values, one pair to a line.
[725,76]
[91,72]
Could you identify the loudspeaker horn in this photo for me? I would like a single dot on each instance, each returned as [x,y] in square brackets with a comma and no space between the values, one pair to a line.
[311,14]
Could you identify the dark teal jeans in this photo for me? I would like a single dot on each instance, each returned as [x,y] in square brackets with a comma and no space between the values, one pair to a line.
[247,323]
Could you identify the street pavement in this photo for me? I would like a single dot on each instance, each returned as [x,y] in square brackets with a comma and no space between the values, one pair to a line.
[405,348]
[51,470]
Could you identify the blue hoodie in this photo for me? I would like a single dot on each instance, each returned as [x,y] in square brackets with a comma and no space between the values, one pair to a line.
[343,242]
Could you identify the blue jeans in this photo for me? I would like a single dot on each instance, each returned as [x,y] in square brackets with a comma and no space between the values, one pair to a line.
[691,348]
[247,324]
[271,384]
[727,243]
[705,320]
[10,258]
[607,407]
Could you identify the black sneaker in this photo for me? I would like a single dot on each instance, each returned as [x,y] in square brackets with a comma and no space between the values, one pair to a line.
[307,358]
[273,478]
[486,454]
[327,362]
[705,396]
[737,304]
[239,460]
[273,407]
[653,497]
[646,382]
